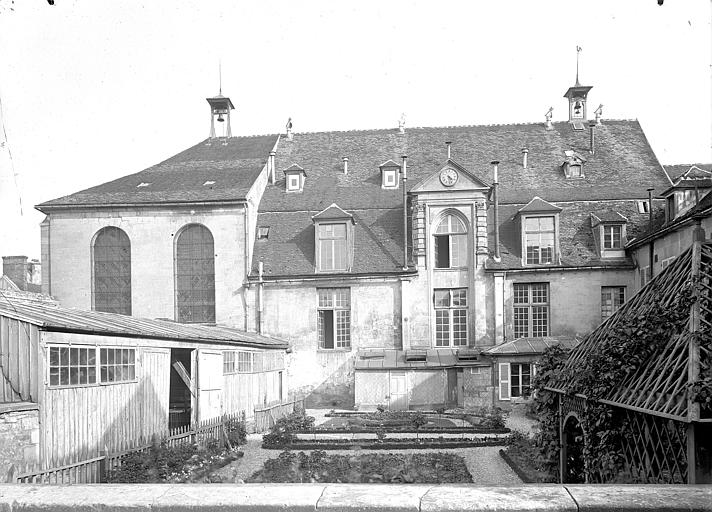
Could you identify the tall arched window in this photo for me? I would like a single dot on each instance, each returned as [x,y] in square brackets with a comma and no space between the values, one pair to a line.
[111,289]
[451,243]
[195,275]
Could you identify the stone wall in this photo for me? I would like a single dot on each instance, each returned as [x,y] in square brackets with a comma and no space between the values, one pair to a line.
[477,382]
[19,436]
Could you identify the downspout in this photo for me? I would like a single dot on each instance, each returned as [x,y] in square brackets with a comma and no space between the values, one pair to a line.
[651,246]
[247,266]
[495,185]
[260,298]
[404,174]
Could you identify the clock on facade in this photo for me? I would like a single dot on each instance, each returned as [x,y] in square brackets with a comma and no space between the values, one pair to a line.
[448,177]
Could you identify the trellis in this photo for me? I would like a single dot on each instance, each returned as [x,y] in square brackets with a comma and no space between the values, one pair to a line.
[655,401]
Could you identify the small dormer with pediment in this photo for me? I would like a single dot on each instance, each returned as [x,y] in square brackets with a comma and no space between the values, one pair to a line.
[538,221]
[333,240]
[609,233]
[573,165]
[294,178]
[389,174]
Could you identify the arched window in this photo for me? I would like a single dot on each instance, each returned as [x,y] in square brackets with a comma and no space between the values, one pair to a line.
[451,243]
[111,289]
[195,275]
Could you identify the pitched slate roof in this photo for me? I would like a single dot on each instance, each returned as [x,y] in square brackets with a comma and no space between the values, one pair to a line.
[622,167]
[577,245]
[528,346]
[51,317]
[183,178]
[677,171]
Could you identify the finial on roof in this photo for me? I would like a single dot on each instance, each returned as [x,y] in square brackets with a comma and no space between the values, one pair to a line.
[401,123]
[289,129]
[547,116]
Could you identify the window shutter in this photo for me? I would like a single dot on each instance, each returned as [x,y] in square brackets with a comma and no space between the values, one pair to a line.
[504,381]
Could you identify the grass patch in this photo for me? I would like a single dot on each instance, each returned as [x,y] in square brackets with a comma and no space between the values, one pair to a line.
[319,466]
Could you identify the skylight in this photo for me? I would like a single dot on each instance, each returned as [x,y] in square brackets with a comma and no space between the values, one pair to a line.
[208,183]
[142,184]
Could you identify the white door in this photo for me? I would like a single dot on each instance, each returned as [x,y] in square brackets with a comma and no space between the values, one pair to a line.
[210,381]
[398,392]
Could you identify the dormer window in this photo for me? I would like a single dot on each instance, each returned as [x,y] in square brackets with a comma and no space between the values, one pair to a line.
[389,174]
[539,221]
[294,177]
[333,240]
[609,233]
[612,235]
[573,165]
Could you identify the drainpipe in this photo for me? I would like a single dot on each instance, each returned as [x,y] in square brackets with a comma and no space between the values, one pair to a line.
[260,299]
[651,246]
[495,185]
[404,171]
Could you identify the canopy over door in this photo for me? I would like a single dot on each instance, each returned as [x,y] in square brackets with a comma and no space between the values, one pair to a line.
[210,380]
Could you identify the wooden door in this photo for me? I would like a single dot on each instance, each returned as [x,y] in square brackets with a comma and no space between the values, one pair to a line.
[210,381]
[460,388]
[398,392]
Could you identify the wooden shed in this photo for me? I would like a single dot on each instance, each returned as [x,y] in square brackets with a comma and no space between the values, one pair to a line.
[99,379]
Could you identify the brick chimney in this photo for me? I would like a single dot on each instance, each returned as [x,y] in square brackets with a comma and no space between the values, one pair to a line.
[15,267]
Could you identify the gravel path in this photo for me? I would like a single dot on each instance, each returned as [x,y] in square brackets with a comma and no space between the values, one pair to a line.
[484,463]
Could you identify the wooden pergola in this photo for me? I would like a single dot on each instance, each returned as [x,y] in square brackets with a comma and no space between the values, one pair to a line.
[671,435]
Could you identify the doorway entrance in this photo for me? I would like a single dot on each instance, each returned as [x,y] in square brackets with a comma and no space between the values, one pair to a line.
[572,452]
[398,392]
[181,401]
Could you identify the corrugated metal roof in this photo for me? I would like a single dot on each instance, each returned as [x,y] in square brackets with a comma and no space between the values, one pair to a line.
[50,317]
[396,360]
[530,345]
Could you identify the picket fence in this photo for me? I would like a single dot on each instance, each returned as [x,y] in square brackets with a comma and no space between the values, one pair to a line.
[95,469]
[268,415]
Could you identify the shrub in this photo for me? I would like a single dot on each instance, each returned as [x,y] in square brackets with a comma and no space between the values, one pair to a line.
[236,431]
[283,431]
[418,419]
[381,408]
[153,465]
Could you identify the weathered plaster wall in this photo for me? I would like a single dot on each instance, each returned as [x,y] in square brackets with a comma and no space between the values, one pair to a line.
[19,436]
[326,376]
[478,389]
[152,235]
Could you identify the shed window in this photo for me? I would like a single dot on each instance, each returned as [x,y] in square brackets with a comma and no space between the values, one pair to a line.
[69,366]
[111,286]
[228,362]
[117,364]
[245,362]
[450,243]
[195,275]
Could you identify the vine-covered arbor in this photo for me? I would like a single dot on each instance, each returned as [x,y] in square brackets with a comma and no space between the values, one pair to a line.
[635,397]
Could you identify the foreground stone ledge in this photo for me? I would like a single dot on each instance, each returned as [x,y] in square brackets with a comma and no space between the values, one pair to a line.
[352,498]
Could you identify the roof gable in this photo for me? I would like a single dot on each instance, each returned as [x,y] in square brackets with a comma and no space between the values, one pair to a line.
[332,212]
[607,217]
[538,205]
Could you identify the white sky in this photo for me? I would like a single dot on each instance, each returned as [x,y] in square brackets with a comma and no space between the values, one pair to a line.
[93,90]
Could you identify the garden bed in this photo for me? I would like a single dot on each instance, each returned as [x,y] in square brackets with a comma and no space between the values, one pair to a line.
[524,459]
[319,466]
[489,418]
[404,429]
[390,444]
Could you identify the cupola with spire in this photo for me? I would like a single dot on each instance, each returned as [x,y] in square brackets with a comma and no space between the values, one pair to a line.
[220,107]
[577,99]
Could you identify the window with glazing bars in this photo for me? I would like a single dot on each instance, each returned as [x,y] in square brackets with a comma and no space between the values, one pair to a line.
[245,362]
[450,243]
[334,318]
[612,236]
[333,254]
[520,379]
[539,240]
[112,271]
[195,275]
[612,298]
[531,309]
[72,366]
[117,364]
[450,317]
[228,362]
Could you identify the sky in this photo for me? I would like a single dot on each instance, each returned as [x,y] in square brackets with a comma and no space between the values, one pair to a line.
[92,90]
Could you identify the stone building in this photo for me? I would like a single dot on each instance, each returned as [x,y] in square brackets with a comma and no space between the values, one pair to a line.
[392,260]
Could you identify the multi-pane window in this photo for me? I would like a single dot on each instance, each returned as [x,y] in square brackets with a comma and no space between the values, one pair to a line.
[612,236]
[334,318]
[331,241]
[531,309]
[539,237]
[245,362]
[195,275]
[228,362]
[612,298]
[112,271]
[450,317]
[74,366]
[520,379]
[117,364]
[644,275]
[450,243]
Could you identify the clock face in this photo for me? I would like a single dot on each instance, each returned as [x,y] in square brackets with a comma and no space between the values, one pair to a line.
[448,177]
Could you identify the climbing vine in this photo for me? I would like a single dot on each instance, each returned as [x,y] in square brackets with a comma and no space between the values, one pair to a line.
[626,346]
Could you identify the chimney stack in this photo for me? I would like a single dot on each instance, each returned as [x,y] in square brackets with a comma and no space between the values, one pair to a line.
[15,267]
[525,157]
[592,129]
[346,164]
[448,149]
[495,185]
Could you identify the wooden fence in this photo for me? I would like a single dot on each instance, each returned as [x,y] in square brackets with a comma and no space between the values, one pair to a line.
[268,415]
[94,469]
